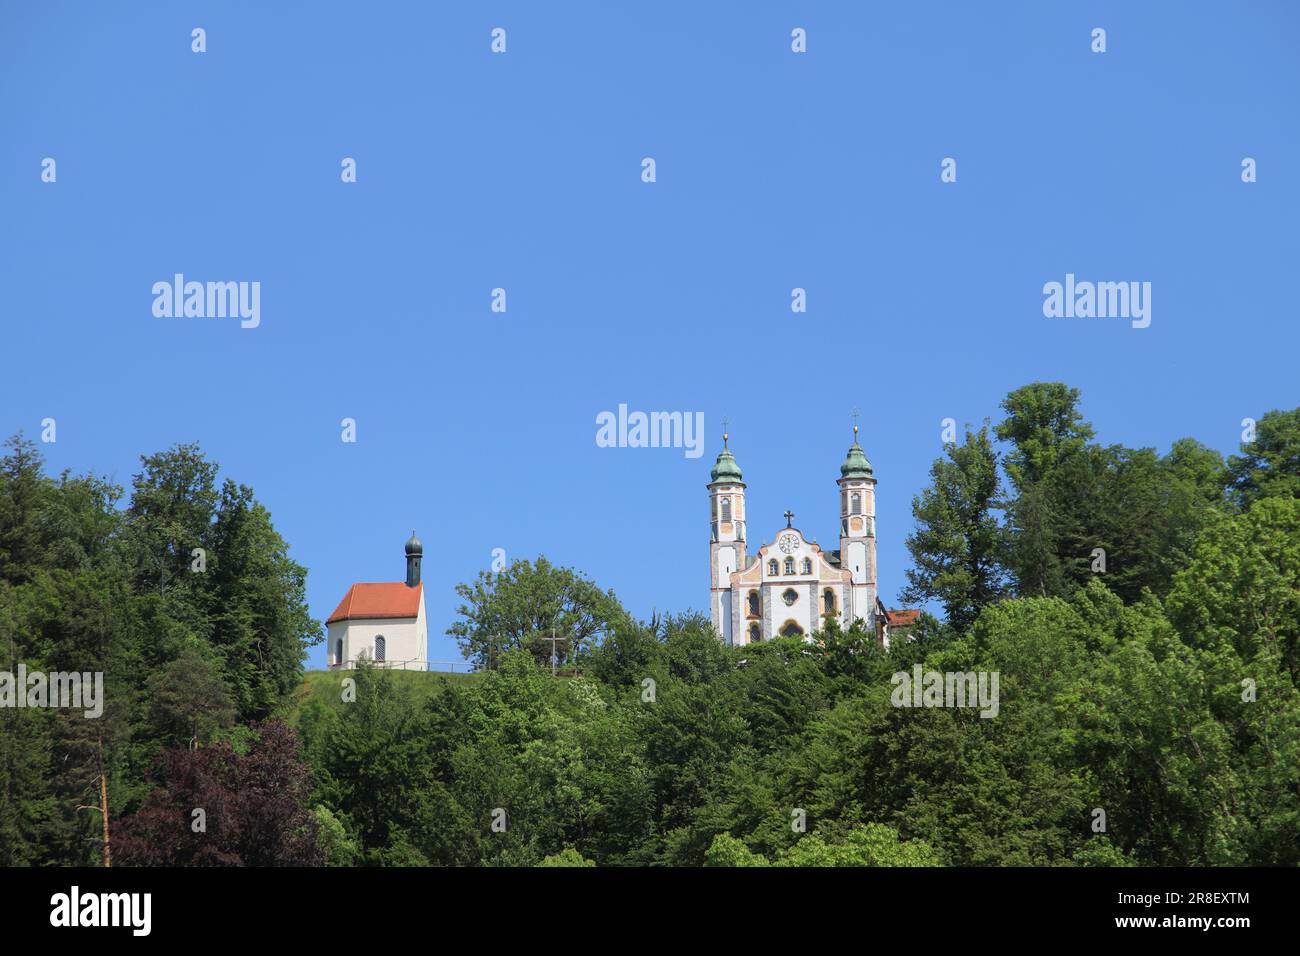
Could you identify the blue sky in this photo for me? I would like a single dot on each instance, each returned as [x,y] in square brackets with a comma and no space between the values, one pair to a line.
[522,171]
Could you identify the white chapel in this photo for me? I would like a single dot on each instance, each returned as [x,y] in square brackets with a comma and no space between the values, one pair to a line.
[382,622]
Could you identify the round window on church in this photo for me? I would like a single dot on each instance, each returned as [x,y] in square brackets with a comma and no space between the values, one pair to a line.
[790,596]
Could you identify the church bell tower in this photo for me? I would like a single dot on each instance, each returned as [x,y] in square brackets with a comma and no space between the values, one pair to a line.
[727,537]
[858,534]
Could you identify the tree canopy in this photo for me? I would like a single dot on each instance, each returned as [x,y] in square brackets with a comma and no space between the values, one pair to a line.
[1140,608]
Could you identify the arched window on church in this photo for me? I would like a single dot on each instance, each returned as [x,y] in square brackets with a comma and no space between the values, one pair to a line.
[381,648]
[807,566]
[754,608]
[338,651]
[755,635]
[726,509]
[771,568]
[789,565]
[857,503]
[828,601]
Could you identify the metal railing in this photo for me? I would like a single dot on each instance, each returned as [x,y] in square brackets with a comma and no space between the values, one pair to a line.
[441,667]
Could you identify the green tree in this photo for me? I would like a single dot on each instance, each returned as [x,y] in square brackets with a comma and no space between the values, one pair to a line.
[628,655]
[338,846]
[373,766]
[526,604]
[23,489]
[726,850]
[1238,606]
[1045,429]
[566,857]
[173,505]
[1099,851]
[189,700]
[257,597]
[691,733]
[870,844]
[1242,589]
[958,546]
[1044,426]
[1269,465]
[88,587]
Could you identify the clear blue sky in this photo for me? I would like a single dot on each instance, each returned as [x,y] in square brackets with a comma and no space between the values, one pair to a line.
[522,171]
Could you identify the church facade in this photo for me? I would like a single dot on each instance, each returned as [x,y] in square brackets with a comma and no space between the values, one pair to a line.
[791,586]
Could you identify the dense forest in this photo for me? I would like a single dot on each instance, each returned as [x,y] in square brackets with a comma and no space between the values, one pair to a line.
[1141,609]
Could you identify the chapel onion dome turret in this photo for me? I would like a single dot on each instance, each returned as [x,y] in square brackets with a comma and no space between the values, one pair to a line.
[413,546]
[725,469]
[855,462]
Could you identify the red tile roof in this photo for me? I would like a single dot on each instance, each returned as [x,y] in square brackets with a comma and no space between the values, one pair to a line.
[903,618]
[386,599]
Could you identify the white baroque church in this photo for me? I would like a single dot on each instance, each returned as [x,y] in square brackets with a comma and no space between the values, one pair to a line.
[790,586]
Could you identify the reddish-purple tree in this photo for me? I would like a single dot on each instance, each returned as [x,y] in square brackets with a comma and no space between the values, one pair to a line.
[255,808]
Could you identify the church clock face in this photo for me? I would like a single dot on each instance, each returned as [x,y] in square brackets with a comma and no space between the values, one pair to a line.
[788,543]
